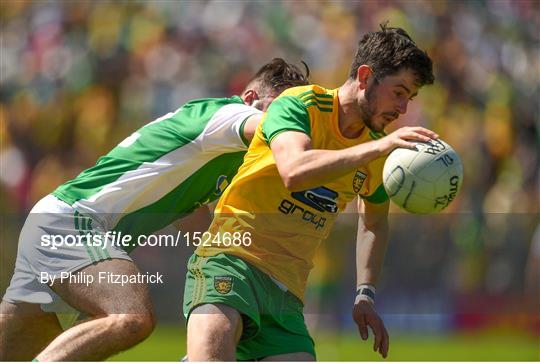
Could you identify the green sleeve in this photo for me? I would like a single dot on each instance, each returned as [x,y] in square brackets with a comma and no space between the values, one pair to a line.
[378,197]
[287,113]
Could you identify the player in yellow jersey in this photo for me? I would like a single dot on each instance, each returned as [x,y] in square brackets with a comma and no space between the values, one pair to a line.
[316,150]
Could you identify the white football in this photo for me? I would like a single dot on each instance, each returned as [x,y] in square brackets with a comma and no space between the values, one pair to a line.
[425,180]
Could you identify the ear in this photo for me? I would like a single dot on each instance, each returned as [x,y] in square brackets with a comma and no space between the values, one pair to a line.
[363,75]
[250,96]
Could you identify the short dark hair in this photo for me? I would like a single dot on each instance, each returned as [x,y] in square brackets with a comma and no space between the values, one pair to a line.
[278,75]
[388,51]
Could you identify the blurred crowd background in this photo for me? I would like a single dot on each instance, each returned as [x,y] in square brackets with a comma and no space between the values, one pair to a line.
[79,76]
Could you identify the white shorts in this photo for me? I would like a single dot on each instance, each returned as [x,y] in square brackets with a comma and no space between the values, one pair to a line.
[51,216]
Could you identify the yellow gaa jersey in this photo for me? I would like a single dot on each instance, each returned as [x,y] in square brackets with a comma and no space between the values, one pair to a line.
[278,231]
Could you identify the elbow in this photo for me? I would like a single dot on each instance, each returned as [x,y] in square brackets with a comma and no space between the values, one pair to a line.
[292,182]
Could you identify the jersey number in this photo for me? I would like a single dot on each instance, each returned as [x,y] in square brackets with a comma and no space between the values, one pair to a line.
[128,141]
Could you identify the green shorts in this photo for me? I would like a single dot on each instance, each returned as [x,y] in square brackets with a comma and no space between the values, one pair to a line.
[273,321]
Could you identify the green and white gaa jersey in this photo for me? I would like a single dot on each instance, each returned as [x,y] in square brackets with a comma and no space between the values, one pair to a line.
[164,170]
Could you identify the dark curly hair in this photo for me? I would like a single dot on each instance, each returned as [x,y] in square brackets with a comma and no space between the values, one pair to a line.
[388,51]
[278,75]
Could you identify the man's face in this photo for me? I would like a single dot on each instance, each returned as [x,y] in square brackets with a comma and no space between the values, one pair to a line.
[384,101]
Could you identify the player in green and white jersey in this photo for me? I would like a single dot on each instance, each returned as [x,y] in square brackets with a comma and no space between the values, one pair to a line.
[162,172]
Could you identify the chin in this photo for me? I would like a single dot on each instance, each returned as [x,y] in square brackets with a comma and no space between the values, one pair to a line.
[376,124]
[377,127]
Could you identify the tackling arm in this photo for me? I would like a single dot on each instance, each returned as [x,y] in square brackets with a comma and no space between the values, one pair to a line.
[198,221]
[251,125]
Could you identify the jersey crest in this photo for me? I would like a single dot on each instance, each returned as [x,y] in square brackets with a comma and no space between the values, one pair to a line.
[358,181]
[223,284]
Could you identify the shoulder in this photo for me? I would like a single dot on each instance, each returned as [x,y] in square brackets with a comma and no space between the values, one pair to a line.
[303,91]
[213,103]
[311,97]
[208,108]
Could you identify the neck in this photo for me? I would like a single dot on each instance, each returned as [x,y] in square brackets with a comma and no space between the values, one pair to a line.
[350,120]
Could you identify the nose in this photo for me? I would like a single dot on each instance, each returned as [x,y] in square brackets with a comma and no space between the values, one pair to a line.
[401,107]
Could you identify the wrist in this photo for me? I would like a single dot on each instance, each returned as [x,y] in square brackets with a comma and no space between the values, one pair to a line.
[365,292]
[380,147]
